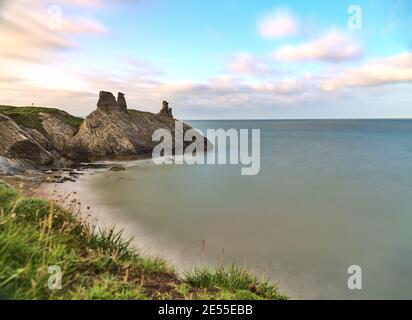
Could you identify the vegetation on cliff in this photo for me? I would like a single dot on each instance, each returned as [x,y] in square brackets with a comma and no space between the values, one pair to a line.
[29,116]
[97,264]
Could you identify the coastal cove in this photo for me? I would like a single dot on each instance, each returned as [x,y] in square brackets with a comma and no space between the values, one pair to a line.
[322,209]
[195,159]
[60,241]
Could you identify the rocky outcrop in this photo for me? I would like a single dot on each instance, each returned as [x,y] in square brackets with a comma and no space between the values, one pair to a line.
[108,102]
[106,99]
[10,167]
[166,111]
[41,136]
[113,131]
[121,101]
[16,143]
[57,131]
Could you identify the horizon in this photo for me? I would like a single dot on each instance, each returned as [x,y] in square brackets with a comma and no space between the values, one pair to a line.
[230,119]
[272,60]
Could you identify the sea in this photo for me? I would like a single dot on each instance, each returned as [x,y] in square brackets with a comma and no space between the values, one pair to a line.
[330,196]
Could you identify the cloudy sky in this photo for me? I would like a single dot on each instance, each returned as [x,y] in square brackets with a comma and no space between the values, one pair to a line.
[211,59]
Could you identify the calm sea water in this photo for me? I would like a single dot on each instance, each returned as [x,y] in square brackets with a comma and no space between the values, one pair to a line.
[330,194]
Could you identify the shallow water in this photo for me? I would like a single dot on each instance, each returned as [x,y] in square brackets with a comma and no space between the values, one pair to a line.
[330,194]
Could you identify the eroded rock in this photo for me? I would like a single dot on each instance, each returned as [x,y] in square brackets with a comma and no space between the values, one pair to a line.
[106,99]
[121,101]
[117,168]
[113,132]
[16,143]
[166,111]
[58,131]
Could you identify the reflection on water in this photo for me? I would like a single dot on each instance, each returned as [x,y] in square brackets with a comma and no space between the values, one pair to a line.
[330,194]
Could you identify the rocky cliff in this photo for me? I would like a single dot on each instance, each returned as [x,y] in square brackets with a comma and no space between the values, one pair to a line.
[113,130]
[19,148]
[32,137]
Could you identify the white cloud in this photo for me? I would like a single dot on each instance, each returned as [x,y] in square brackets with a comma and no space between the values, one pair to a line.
[227,93]
[82,25]
[278,24]
[247,64]
[26,34]
[142,68]
[333,47]
[33,70]
[30,51]
[88,3]
[378,71]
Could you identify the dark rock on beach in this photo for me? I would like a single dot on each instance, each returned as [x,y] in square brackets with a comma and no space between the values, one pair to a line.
[117,168]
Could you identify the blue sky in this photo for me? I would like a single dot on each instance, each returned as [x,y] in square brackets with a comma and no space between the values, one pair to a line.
[212,59]
[193,39]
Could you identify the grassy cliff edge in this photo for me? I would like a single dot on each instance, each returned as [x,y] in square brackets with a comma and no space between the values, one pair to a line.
[29,117]
[98,264]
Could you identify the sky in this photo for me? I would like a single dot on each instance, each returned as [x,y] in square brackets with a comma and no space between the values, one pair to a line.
[215,59]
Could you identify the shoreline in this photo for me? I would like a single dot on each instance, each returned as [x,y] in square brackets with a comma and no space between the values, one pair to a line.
[99,264]
[31,181]
[73,192]
[79,196]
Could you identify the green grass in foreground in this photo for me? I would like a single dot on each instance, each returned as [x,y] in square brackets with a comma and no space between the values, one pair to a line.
[29,116]
[97,264]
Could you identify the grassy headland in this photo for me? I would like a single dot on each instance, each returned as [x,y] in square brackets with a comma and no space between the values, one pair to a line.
[97,264]
[29,116]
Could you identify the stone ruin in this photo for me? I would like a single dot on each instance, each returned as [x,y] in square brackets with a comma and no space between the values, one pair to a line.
[166,110]
[108,100]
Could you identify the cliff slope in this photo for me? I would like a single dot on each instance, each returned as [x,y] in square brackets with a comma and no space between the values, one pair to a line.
[113,130]
[31,137]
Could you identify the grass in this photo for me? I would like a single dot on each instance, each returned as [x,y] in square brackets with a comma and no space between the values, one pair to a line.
[233,282]
[97,264]
[29,116]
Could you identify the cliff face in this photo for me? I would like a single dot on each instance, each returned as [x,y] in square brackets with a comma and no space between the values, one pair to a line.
[113,130]
[19,143]
[31,137]
[58,132]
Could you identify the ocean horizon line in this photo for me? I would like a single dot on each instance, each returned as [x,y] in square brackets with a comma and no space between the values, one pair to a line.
[298,119]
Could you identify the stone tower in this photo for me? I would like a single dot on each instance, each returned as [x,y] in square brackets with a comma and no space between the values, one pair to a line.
[108,101]
[166,111]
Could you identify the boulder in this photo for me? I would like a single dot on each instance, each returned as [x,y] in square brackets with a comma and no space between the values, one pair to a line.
[117,168]
[9,167]
[16,143]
